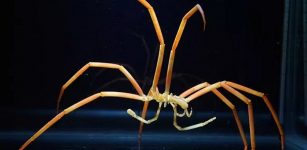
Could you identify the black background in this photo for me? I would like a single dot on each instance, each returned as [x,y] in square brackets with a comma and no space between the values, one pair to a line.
[51,40]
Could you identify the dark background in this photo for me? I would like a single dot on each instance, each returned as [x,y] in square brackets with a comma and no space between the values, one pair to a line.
[51,40]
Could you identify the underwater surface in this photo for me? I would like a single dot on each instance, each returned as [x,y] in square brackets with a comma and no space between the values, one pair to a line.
[116,130]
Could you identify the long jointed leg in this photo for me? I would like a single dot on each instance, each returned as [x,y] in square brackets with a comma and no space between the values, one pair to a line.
[189,127]
[225,101]
[78,105]
[159,61]
[236,93]
[250,112]
[176,41]
[230,86]
[134,115]
[268,104]
[194,89]
[161,41]
[144,112]
[99,65]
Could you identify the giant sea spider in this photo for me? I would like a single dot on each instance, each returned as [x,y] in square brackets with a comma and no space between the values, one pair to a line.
[176,101]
